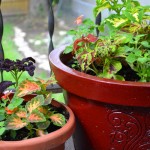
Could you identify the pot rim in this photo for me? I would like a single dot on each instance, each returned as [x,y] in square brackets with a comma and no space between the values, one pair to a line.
[59,51]
[137,87]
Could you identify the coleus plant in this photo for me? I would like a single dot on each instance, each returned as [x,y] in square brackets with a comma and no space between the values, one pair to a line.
[35,115]
[122,49]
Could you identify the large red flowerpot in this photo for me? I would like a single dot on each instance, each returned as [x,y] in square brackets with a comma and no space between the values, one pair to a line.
[52,141]
[112,115]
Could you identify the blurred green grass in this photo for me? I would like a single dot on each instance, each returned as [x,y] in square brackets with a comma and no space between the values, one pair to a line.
[10,52]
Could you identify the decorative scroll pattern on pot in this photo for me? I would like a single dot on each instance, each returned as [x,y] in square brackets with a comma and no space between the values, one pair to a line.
[129,131]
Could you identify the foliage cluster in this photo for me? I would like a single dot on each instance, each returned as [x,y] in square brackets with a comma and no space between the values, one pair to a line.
[35,115]
[122,49]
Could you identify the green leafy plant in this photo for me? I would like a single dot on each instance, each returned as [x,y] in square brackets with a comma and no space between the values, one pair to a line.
[20,118]
[121,51]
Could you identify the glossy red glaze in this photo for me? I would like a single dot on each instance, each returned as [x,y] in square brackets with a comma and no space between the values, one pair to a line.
[99,89]
[52,141]
[113,114]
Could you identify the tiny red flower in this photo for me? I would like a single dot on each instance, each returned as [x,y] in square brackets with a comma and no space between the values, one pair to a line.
[8,111]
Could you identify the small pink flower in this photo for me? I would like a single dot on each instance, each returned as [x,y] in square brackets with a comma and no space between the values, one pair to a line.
[79,20]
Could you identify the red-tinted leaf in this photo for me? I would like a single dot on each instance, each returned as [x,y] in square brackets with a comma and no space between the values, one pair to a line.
[27,87]
[58,119]
[43,109]
[15,123]
[36,116]
[92,38]
[22,113]
[35,103]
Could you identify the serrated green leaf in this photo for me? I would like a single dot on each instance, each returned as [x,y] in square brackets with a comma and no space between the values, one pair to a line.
[128,49]
[36,116]
[131,58]
[145,44]
[142,60]
[15,123]
[15,102]
[43,125]
[137,52]
[58,119]
[35,103]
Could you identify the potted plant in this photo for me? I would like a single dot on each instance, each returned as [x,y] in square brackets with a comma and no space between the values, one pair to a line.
[107,77]
[29,117]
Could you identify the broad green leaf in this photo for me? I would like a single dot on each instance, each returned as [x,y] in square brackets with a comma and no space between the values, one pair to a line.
[117,22]
[21,113]
[36,116]
[27,87]
[58,119]
[137,52]
[128,49]
[2,123]
[118,77]
[2,130]
[43,125]
[142,60]
[116,66]
[35,103]
[131,58]
[145,44]
[2,114]
[68,49]
[2,117]
[120,52]
[15,123]
[2,111]
[100,7]
[72,32]
[15,102]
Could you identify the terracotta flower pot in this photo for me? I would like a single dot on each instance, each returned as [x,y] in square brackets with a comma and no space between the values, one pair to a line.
[52,141]
[112,114]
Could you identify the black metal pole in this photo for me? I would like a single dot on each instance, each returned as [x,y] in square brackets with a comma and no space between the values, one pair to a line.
[51,25]
[1,35]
